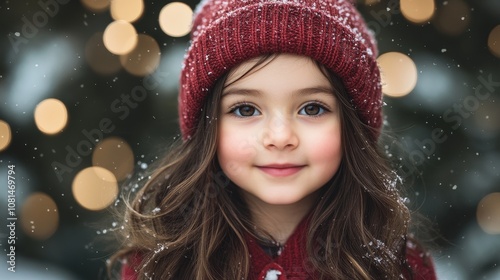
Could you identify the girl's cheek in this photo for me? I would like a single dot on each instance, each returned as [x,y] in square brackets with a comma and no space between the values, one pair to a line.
[231,168]
[235,149]
[240,140]
[245,149]
[326,149]
[241,154]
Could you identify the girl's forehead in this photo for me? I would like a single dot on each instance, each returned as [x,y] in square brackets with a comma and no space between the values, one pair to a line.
[284,76]
[282,63]
[243,68]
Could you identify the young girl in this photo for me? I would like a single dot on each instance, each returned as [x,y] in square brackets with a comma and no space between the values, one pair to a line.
[279,175]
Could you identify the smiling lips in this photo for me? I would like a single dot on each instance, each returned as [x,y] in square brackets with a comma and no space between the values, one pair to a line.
[281,170]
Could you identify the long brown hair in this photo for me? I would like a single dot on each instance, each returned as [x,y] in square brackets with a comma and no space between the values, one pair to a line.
[188,221]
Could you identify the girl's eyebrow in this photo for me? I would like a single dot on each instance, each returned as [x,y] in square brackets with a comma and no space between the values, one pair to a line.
[241,91]
[314,90]
[303,91]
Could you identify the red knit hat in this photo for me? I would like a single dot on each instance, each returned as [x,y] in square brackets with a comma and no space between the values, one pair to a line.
[228,32]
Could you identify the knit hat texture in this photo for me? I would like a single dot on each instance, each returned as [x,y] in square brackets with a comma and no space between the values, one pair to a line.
[226,33]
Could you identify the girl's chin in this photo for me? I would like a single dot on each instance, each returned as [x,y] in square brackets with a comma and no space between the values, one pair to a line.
[280,200]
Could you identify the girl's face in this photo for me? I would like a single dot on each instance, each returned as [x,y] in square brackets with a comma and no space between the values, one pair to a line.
[279,130]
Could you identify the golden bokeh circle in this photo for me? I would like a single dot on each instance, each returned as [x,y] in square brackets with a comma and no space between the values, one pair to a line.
[488,213]
[51,116]
[95,188]
[39,217]
[175,19]
[399,74]
[120,37]
[145,57]
[417,11]
[494,41]
[5,135]
[115,155]
[96,6]
[128,10]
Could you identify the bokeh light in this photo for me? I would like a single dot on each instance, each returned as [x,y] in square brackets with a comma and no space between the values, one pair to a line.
[99,58]
[487,118]
[145,57]
[452,18]
[5,135]
[115,155]
[399,74]
[175,19]
[96,6]
[39,216]
[51,116]
[417,11]
[120,37]
[371,2]
[488,213]
[95,188]
[494,41]
[128,10]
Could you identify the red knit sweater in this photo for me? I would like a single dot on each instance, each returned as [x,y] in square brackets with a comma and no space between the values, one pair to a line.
[289,265]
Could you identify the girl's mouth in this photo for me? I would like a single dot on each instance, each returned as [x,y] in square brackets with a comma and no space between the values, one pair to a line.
[281,170]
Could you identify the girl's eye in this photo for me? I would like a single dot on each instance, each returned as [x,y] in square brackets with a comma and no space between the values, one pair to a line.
[245,111]
[312,110]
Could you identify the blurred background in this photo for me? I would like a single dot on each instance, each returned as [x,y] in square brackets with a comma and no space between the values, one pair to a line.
[88,96]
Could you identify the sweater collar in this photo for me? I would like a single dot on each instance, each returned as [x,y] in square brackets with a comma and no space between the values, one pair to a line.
[290,264]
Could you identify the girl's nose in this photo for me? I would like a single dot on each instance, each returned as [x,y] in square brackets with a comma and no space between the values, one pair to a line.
[280,134]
